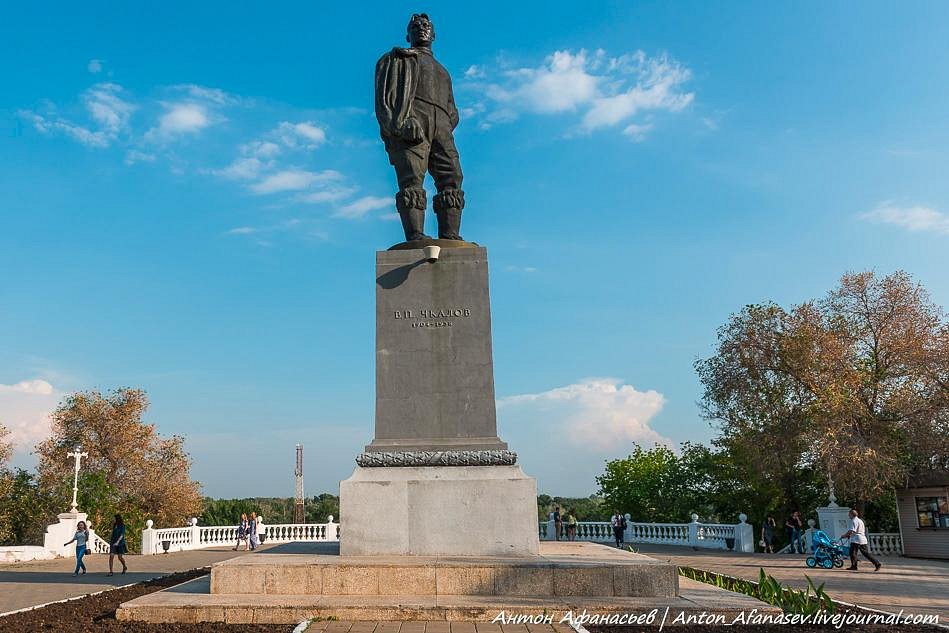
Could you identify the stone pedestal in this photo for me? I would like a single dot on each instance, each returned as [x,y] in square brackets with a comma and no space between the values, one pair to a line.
[434,367]
[436,479]
[439,510]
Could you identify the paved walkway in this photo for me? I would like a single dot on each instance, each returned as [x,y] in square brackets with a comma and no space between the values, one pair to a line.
[434,627]
[38,582]
[916,585]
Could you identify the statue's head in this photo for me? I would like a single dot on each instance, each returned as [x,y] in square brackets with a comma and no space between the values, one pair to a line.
[420,31]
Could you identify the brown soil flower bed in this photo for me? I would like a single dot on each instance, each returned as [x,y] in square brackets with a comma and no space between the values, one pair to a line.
[97,614]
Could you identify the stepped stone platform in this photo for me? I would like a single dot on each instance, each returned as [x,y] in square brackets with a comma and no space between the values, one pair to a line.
[285,588]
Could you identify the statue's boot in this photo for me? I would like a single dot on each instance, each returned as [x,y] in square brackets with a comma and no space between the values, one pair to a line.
[411,205]
[448,205]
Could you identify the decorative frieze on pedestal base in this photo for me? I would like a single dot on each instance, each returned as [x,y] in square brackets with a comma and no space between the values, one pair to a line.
[437,458]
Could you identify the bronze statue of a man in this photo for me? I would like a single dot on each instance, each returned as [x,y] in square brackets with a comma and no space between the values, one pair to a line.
[417,115]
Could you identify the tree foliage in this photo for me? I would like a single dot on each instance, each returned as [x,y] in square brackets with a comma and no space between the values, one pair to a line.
[317,509]
[130,469]
[854,386]
[590,508]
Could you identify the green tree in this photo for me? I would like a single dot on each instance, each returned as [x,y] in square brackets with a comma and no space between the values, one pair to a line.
[651,485]
[131,469]
[852,386]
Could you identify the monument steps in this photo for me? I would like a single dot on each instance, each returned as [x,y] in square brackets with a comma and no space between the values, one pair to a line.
[287,588]
[188,604]
[563,569]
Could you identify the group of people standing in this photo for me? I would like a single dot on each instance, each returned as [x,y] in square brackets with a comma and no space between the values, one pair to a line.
[794,527]
[117,545]
[247,532]
[564,525]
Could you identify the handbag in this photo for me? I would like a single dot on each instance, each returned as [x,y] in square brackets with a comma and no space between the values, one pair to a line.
[761,543]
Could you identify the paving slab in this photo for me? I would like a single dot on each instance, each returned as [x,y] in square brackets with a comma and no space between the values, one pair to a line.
[912,584]
[28,584]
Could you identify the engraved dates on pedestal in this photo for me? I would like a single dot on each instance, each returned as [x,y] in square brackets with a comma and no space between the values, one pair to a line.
[437,458]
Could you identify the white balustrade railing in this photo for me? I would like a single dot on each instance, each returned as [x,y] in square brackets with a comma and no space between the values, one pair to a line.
[97,544]
[695,534]
[886,543]
[206,536]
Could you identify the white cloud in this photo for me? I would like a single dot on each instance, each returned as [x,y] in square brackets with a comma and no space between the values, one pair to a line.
[332,194]
[241,169]
[637,132]
[108,110]
[294,180]
[307,134]
[606,90]
[180,118]
[242,230]
[362,206]
[94,66]
[213,95]
[260,149]
[24,410]
[916,218]
[562,83]
[135,156]
[599,414]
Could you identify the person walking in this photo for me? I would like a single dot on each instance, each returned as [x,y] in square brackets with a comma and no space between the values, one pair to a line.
[242,529]
[117,544]
[252,531]
[81,539]
[558,523]
[618,521]
[572,525]
[858,541]
[767,534]
[794,527]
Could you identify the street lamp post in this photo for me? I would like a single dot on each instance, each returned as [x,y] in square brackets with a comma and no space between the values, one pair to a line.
[77,455]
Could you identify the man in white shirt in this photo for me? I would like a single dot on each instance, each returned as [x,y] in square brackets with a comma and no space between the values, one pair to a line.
[858,541]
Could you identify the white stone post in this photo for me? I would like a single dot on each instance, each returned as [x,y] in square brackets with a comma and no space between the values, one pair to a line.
[744,535]
[195,534]
[694,531]
[61,532]
[809,536]
[549,530]
[149,542]
[628,532]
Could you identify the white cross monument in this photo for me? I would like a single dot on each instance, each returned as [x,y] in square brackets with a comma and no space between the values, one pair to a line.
[77,455]
[61,532]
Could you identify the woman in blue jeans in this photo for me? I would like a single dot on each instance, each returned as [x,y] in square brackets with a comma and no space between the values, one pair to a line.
[80,538]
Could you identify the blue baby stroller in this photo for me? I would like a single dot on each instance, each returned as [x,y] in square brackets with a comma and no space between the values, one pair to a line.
[827,553]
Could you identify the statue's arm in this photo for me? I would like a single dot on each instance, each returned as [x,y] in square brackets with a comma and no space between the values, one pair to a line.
[452,110]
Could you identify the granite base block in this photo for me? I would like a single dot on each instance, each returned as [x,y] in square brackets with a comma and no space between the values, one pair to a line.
[439,510]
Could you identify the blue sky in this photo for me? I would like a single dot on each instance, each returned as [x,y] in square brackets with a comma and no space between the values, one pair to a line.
[191,198]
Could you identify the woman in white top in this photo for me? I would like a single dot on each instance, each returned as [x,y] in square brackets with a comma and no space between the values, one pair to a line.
[80,538]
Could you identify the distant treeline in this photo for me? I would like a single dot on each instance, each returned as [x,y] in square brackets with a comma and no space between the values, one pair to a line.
[273,509]
[317,509]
